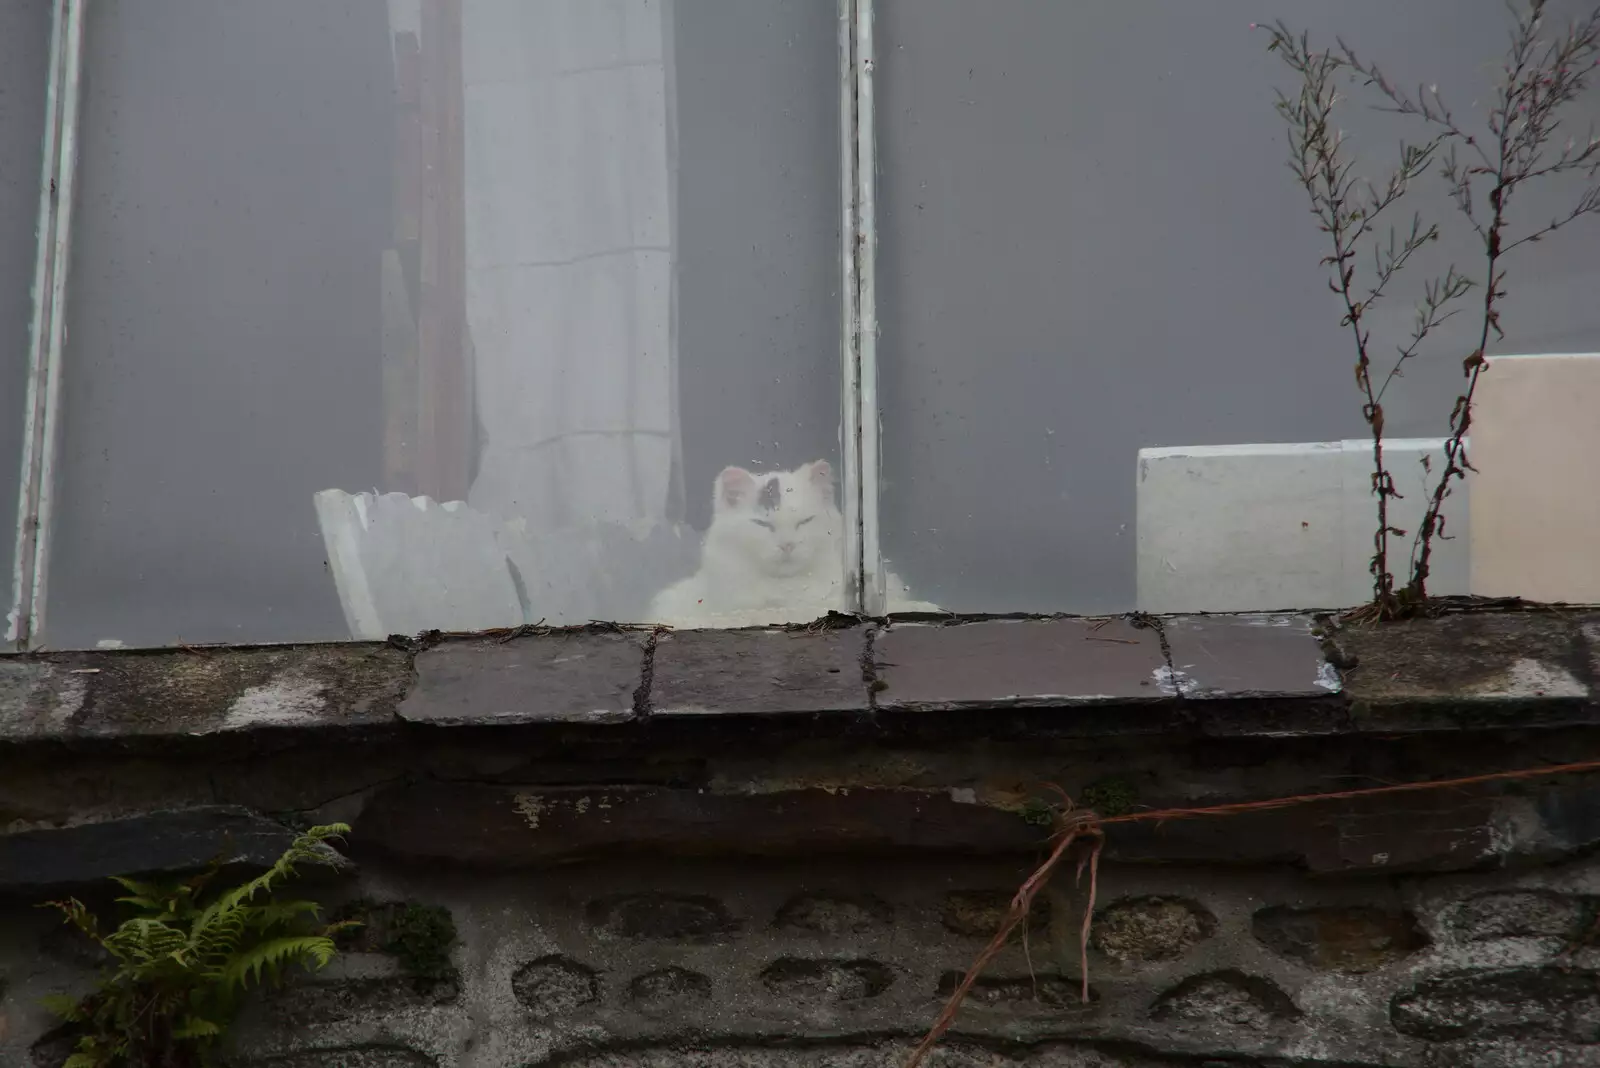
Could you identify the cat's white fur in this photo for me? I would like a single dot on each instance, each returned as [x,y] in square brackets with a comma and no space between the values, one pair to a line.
[774,553]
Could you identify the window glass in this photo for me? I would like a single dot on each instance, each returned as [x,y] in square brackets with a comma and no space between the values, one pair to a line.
[1091,246]
[24,70]
[456,314]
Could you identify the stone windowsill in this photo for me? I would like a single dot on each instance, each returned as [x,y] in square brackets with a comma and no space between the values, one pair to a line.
[1240,675]
[544,749]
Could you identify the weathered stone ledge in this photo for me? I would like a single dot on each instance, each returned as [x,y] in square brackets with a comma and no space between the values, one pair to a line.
[1230,675]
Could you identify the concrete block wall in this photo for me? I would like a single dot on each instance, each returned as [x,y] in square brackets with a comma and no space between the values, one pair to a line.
[678,964]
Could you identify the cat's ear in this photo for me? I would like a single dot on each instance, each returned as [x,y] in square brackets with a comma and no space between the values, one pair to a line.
[820,474]
[735,486]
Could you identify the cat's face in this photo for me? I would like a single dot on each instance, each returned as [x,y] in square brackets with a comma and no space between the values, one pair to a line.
[785,522]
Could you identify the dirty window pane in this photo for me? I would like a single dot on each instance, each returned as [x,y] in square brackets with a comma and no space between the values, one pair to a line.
[561,261]
[1091,246]
[24,70]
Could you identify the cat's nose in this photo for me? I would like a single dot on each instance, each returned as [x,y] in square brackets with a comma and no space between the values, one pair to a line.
[786,548]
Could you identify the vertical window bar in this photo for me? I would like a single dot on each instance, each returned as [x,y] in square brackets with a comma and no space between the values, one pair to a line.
[873,592]
[850,332]
[53,235]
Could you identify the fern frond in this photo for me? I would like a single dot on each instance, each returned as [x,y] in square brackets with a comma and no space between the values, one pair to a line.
[274,913]
[145,938]
[149,936]
[323,833]
[77,915]
[343,925]
[196,1027]
[214,946]
[68,1008]
[180,962]
[134,886]
[146,903]
[311,951]
[308,848]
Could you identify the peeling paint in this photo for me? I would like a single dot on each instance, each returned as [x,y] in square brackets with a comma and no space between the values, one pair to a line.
[1174,682]
[1328,678]
[530,807]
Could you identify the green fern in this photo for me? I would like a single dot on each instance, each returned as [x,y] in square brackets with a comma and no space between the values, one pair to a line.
[181,964]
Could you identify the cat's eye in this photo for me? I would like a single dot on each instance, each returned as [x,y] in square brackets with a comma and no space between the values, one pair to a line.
[762,523]
[806,520]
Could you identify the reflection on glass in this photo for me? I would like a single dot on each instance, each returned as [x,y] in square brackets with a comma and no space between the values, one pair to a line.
[24,70]
[1091,247]
[394,316]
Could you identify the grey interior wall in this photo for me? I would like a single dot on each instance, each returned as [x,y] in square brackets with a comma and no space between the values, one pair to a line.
[758,237]
[24,69]
[223,356]
[1091,245]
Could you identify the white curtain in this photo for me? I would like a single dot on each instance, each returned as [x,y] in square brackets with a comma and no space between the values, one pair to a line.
[569,257]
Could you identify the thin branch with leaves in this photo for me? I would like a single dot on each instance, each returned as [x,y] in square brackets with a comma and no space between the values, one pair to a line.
[1482,174]
[1347,209]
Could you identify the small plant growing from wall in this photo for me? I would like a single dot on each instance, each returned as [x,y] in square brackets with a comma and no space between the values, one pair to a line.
[182,961]
[1485,169]
[419,937]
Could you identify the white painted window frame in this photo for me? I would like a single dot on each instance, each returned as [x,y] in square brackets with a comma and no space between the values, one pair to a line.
[858,403]
[859,418]
[47,330]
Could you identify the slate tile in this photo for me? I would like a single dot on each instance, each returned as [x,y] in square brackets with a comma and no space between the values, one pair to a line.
[510,826]
[557,678]
[167,841]
[1251,655]
[507,827]
[1017,663]
[758,672]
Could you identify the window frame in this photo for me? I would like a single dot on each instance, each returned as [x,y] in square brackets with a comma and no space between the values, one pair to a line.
[859,410]
[47,328]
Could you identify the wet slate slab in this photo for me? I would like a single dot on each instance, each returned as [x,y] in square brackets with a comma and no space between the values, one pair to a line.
[1350,837]
[758,672]
[1251,655]
[1018,664]
[496,826]
[503,826]
[1466,670]
[566,678]
[168,841]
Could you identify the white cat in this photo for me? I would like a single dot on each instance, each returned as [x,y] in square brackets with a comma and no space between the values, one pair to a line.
[774,553]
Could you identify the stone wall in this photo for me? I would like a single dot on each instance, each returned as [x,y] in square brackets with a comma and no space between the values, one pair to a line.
[776,850]
[675,964]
